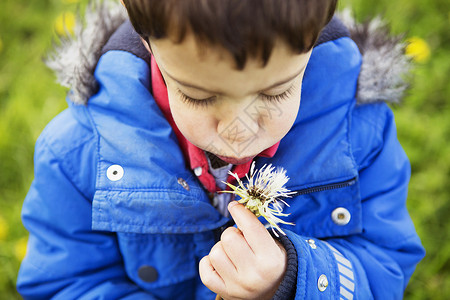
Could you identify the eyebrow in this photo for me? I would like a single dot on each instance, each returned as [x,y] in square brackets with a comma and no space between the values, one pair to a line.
[185,84]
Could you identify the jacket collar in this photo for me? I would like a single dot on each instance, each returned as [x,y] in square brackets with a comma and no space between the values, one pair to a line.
[158,192]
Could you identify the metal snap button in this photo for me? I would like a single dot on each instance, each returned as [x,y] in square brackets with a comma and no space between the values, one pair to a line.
[114,172]
[184,184]
[198,171]
[340,216]
[147,273]
[322,283]
[312,243]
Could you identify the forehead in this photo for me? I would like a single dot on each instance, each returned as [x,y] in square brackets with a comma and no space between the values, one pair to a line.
[214,68]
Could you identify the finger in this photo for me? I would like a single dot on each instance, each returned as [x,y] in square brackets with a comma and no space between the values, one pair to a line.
[209,276]
[237,248]
[221,262]
[254,232]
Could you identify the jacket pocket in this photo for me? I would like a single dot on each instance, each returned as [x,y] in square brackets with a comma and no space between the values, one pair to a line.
[161,264]
[326,210]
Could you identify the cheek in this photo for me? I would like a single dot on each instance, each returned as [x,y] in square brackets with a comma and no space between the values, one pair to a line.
[192,123]
[286,120]
[282,116]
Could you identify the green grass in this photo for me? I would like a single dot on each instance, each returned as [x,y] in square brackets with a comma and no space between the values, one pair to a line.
[423,123]
[29,99]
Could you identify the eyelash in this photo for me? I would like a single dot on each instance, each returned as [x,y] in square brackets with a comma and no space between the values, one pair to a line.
[280,97]
[208,101]
[196,102]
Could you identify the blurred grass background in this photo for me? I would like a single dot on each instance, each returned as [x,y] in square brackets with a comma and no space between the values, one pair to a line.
[29,99]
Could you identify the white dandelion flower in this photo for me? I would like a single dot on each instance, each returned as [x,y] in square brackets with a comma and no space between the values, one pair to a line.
[263,193]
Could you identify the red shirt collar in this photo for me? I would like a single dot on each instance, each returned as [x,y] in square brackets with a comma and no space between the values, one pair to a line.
[194,155]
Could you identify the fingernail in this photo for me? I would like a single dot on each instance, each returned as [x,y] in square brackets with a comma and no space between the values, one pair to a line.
[232,204]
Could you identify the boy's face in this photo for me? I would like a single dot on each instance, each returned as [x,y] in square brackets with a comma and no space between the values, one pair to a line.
[234,114]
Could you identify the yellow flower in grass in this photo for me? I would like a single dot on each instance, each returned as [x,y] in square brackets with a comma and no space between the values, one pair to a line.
[20,248]
[3,229]
[417,49]
[65,23]
[263,192]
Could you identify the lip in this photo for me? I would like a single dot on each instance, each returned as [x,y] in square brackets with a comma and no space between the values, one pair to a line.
[235,161]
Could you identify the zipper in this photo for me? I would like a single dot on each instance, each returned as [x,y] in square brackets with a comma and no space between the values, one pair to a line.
[326,187]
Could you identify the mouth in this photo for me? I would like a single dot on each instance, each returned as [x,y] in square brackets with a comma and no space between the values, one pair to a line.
[235,161]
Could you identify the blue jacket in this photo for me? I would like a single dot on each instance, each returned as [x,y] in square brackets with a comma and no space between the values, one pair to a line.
[108,217]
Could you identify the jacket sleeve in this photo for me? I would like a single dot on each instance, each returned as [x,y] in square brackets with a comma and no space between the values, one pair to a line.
[66,259]
[378,262]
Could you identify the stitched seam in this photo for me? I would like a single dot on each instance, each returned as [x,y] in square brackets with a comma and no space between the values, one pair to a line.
[61,165]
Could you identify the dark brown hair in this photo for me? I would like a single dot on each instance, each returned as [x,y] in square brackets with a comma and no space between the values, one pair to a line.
[243,27]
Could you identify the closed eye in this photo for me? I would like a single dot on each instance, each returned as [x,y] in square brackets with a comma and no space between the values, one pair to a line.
[210,100]
[196,102]
[280,97]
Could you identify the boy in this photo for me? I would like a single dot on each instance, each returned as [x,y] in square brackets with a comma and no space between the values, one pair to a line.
[125,201]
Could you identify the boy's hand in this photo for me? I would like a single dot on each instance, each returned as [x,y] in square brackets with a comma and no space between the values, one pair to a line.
[247,263]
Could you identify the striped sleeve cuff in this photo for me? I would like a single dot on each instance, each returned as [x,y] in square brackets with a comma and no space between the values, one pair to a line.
[346,275]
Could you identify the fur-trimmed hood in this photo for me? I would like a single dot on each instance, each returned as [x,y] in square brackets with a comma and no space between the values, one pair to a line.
[383,68]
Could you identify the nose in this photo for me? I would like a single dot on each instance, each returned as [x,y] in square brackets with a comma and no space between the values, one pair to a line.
[238,125]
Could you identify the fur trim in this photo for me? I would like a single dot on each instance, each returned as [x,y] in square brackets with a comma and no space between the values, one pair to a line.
[382,76]
[75,58]
[384,64]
